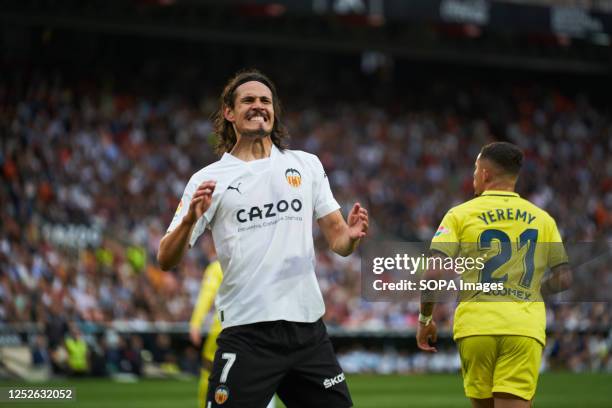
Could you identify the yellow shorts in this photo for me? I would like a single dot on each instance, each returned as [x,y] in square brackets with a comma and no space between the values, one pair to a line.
[508,364]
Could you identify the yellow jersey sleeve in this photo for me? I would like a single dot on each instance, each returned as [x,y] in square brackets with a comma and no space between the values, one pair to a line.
[213,275]
[446,238]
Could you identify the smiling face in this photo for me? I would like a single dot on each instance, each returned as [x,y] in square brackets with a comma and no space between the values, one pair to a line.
[253,112]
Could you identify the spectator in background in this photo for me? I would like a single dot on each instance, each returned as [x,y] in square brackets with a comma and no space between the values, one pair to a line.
[164,355]
[56,327]
[97,357]
[132,355]
[190,361]
[111,345]
[40,353]
[78,352]
[68,152]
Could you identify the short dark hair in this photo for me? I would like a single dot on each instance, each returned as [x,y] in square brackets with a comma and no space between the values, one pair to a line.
[508,156]
[225,130]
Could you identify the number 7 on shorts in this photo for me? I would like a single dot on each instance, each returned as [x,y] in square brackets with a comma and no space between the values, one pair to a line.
[231,358]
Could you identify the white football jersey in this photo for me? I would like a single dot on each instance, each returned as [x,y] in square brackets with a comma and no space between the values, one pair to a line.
[261,220]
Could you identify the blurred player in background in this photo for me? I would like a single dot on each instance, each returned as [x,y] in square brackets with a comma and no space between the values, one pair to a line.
[211,280]
[259,200]
[500,335]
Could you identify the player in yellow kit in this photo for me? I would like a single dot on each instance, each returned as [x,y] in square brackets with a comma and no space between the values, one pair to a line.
[211,280]
[500,333]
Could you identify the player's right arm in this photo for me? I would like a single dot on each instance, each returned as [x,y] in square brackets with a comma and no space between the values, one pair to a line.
[174,244]
[445,243]
[427,330]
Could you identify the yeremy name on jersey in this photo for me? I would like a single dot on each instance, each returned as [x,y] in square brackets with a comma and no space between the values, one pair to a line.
[503,214]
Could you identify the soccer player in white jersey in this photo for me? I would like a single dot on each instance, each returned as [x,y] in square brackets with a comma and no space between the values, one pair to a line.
[259,200]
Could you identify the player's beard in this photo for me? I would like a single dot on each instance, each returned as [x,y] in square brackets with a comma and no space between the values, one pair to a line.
[260,132]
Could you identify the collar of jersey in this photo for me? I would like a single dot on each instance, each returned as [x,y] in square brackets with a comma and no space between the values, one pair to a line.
[253,165]
[500,193]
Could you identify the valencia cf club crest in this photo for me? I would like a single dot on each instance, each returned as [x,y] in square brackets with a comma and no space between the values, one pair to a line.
[221,394]
[294,178]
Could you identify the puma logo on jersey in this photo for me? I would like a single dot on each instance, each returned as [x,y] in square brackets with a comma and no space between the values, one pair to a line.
[330,382]
[237,188]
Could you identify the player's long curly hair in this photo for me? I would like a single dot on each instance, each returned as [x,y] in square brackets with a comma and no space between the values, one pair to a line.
[226,136]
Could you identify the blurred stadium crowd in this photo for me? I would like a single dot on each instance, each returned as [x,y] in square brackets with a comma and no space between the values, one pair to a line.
[91,177]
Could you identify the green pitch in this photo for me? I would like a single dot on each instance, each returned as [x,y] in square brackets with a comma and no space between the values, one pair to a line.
[369,391]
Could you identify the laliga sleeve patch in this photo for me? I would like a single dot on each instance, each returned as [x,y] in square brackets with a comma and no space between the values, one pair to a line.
[221,394]
[178,209]
[441,231]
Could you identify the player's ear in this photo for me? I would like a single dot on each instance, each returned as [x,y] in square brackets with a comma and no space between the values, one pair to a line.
[486,175]
[228,114]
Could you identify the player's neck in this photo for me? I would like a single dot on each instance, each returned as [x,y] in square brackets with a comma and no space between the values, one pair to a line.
[252,148]
[501,185]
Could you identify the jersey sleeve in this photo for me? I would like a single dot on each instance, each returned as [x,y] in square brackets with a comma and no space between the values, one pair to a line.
[211,281]
[446,237]
[556,254]
[322,196]
[183,207]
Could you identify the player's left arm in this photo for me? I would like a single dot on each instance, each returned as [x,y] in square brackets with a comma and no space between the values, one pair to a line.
[342,236]
[560,277]
[559,280]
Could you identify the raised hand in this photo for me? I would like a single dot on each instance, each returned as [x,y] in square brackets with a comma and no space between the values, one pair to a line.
[358,222]
[201,200]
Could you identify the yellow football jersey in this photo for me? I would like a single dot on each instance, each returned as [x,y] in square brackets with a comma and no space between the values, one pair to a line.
[213,275]
[516,242]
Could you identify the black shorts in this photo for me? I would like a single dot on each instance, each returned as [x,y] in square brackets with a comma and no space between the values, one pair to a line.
[295,360]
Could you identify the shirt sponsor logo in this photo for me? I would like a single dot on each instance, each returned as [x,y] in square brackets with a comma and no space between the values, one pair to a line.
[442,230]
[294,178]
[269,210]
[330,382]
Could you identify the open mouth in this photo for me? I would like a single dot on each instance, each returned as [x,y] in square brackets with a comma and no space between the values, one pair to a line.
[257,117]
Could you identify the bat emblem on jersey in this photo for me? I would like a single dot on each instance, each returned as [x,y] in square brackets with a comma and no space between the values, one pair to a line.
[237,188]
[294,178]
[221,394]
